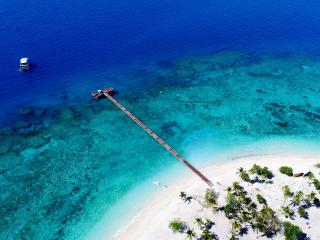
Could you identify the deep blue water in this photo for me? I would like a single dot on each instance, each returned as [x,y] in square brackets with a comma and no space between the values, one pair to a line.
[64,38]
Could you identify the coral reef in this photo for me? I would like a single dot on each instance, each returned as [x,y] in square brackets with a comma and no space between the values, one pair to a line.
[64,166]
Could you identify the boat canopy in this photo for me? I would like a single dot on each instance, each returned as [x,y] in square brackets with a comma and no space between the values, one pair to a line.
[24,60]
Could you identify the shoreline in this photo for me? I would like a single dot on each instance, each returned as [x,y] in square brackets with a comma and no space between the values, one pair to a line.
[152,221]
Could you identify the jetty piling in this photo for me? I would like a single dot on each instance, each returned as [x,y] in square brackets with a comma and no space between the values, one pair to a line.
[108,94]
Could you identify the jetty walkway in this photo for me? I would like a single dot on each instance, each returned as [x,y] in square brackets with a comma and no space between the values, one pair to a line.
[108,94]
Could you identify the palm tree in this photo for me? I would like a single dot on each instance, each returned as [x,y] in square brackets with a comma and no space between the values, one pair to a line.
[183,195]
[233,237]
[211,198]
[286,193]
[236,227]
[200,223]
[237,187]
[287,212]
[240,170]
[267,221]
[297,198]
[310,198]
[207,235]
[190,234]
[209,223]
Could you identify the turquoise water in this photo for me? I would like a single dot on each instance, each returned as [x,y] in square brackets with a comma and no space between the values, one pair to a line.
[66,167]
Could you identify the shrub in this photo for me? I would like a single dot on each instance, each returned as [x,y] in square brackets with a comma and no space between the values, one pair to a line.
[245,176]
[317,165]
[176,225]
[316,184]
[261,199]
[286,170]
[292,232]
[261,171]
[267,173]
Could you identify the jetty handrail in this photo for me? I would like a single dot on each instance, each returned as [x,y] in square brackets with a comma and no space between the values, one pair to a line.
[158,139]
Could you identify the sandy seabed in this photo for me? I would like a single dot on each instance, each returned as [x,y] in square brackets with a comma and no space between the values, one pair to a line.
[152,221]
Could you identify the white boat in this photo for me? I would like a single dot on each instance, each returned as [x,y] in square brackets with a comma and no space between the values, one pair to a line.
[24,64]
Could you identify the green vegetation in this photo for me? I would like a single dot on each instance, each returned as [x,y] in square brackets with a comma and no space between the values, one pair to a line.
[210,198]
[267,222]
[176,225]
[298,201]
[207,235]
[286,170]
[239,206]
[261,199]
[183,195]
[292,232]
[302,212]
[313,180]
[261,171]
[243,212]
[233,237]
[287,212]
[245,176]
[310,176]
[317,165]
[311,198]
[287,192]
[190,234]
[297,198]
[316,184]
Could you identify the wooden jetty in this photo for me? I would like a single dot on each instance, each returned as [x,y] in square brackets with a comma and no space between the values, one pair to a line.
[107,92]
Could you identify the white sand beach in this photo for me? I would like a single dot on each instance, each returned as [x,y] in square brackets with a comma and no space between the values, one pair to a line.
[152,222]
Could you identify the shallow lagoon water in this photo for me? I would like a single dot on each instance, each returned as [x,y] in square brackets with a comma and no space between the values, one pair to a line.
[69,166]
